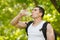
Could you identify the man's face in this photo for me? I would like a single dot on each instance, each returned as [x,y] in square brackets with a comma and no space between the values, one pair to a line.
[36,12]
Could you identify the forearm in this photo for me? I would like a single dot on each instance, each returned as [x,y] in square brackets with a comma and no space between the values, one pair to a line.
[16,19]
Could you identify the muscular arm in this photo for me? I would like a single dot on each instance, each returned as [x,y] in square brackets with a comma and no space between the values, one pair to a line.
[50,32]
[15,21]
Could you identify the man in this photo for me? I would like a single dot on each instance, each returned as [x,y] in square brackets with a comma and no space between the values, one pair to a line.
[33,30]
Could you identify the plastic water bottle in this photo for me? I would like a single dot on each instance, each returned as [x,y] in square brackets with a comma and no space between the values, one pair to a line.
[26,12]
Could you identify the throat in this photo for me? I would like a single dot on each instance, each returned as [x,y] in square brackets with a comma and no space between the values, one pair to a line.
[36,23]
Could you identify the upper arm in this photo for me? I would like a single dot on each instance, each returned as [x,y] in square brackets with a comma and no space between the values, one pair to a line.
[50,32]
[21,24]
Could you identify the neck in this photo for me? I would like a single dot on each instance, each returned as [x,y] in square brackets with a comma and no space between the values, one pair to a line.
[37,20]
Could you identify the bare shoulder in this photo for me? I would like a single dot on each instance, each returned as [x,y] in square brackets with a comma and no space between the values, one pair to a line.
[49,28]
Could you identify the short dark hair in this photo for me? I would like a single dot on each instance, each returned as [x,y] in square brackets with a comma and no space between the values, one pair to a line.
[41,10]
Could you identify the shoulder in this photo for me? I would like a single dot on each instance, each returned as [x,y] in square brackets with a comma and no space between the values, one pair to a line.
[49,28]
[48,25]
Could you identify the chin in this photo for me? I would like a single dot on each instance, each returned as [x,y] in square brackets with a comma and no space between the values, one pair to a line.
[33,17]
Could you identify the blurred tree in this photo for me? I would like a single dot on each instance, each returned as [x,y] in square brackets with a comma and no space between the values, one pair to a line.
[56,3]
[10,8]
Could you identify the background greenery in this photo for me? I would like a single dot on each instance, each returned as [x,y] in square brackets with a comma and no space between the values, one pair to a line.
[10,8]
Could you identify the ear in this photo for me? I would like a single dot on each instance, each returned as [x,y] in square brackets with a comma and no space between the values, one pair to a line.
[40,14]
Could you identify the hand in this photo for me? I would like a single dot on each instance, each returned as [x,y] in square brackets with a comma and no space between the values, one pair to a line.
[23,12]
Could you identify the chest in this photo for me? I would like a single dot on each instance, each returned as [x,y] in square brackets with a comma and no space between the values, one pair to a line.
[35,29]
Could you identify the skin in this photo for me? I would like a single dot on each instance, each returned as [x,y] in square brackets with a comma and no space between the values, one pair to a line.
[36,15]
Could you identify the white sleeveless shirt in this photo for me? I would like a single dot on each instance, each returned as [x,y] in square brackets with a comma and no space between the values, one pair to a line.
[34,33]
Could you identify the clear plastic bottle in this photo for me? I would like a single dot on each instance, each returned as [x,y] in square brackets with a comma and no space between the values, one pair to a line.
[26,12]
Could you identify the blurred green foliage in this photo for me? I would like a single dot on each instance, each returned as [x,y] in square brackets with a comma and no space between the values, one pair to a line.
[10,8]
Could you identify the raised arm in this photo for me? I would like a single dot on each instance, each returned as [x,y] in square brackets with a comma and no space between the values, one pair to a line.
[15,21]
